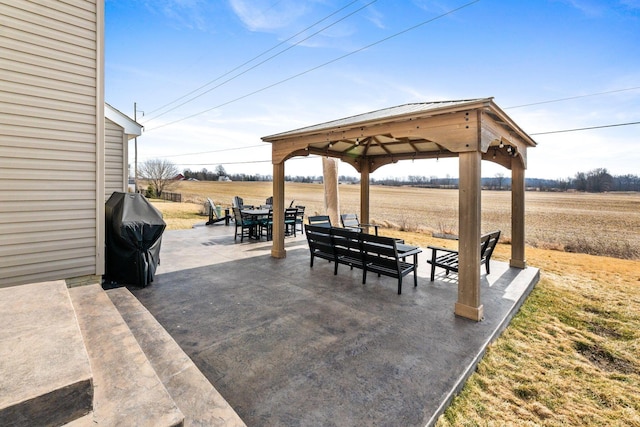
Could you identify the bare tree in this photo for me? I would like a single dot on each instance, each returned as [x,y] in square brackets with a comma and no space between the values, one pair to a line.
[220,171]
[499,179]
[580,181]
[160,174]
[599,180]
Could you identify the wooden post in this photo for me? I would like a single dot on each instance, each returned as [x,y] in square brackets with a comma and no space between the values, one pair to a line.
[468,304]
[364,192]
[331,191]
[277,249]
[517,214]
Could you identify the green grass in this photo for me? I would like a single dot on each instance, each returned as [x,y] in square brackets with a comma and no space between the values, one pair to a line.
[560,362]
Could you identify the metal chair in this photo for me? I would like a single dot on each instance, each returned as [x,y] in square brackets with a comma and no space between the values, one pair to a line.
[246,225]
[320,221]
[300,218]
[351,221]
[290,215]
[266,225]
[239,203]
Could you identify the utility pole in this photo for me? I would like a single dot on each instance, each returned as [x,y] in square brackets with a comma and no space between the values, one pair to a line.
[135,144]
[135,141]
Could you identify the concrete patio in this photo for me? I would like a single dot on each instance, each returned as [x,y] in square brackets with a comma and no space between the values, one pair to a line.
[286,344]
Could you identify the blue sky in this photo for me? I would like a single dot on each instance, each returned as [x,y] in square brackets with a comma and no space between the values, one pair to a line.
[163,53]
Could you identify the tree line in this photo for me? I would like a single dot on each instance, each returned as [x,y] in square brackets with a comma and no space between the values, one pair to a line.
[220,172]
[594,181]
[160,174]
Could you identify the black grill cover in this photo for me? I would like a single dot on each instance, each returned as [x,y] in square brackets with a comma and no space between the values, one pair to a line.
[134,230]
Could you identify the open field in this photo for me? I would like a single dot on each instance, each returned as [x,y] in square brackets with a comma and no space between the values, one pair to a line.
[597,224]
[571,356]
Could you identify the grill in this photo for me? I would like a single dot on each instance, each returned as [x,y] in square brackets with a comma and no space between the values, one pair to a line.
[133,234]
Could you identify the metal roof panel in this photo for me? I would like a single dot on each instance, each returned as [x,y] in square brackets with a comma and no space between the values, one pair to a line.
[383,114]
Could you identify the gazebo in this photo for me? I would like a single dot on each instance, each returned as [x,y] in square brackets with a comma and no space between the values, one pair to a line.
[472,130]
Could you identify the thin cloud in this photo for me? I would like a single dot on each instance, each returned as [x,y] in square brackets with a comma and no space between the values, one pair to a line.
[376,18]
[286,17]
[433,6]
[265,15]
[589,8]
[191,14]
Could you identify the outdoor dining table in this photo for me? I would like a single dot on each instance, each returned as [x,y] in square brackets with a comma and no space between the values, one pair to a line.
[256,215]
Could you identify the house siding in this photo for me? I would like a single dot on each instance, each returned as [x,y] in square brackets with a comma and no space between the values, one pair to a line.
[51,140]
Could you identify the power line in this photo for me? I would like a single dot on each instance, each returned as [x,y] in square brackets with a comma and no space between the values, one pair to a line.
[586,128]
[246,162]
[523,105]
[226,163]
[314,156]
[258,56]
[318,66]
[572,97]
[214,151]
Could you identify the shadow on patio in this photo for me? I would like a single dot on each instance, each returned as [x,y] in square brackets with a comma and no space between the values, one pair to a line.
[286,344]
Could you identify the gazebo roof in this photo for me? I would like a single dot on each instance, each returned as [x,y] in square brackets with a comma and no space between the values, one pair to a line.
[410,131]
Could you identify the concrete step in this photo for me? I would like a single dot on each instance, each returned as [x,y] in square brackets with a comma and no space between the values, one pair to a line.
[45,374]
[127,390]
[198,400]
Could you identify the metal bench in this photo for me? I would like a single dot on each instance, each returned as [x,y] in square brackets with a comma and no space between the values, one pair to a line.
[448,258]
[382,255]
[320,243]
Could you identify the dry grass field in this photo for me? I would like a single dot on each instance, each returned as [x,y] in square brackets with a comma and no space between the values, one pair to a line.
[597,224]
[571,356]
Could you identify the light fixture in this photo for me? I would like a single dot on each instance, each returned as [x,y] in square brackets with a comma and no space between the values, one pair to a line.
[501,144]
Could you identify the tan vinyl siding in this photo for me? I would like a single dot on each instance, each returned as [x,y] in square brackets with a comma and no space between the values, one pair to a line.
[114,160]
[50,140]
